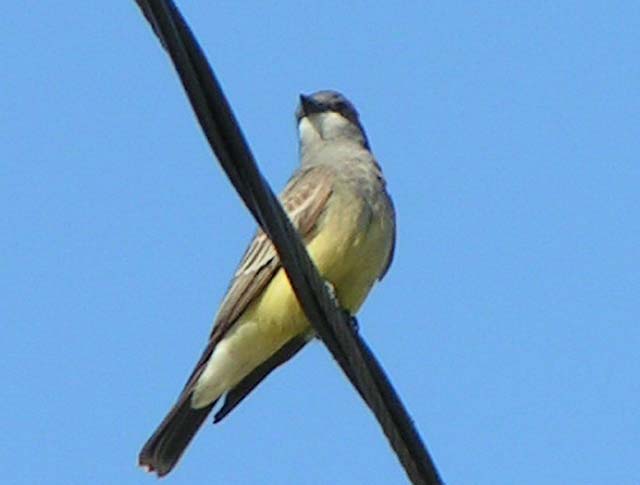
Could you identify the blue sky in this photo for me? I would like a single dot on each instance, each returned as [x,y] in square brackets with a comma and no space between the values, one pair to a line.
[509,135]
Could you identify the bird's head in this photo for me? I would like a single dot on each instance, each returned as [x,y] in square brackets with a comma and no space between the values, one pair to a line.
[327,116]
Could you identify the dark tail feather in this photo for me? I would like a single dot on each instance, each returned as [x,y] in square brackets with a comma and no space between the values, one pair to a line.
[163,450]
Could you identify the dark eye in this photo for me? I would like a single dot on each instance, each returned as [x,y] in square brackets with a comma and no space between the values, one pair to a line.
[340,107]
[346,110]
[343,108]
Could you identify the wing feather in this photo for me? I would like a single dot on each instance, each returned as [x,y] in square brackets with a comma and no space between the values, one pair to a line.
[304,199]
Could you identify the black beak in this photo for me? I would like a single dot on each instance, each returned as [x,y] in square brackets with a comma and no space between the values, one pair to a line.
[310,105]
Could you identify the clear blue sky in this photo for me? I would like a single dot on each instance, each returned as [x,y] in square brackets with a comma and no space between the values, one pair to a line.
[510,138]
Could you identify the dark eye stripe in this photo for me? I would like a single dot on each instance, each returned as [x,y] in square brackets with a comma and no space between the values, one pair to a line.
[347,111]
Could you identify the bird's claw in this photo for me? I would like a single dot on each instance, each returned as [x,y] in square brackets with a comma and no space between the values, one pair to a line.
[353,322]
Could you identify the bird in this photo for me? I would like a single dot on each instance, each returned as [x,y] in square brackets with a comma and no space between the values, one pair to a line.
[338,202]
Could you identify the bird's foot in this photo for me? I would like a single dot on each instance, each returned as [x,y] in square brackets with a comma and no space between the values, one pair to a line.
[353,322]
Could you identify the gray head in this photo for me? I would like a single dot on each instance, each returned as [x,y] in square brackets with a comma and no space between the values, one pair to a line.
[328,116]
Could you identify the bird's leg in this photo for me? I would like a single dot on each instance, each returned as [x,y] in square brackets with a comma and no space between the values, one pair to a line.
[353,322]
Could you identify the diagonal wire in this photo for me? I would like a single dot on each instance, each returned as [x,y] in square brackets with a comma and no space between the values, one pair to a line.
[328,320]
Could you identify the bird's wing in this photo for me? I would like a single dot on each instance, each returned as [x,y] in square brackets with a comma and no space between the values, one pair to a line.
[393,241]
[304,199]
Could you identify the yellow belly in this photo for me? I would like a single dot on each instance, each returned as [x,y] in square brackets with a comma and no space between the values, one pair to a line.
[348,254]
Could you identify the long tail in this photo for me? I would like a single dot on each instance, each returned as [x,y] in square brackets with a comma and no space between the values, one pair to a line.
[165,447]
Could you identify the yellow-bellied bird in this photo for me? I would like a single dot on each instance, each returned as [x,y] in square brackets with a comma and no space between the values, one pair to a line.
[338,202]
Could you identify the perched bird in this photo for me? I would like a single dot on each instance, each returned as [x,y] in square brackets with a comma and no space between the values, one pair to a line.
[338,202]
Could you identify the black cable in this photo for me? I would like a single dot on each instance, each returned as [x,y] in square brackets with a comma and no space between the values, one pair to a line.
[328,320]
